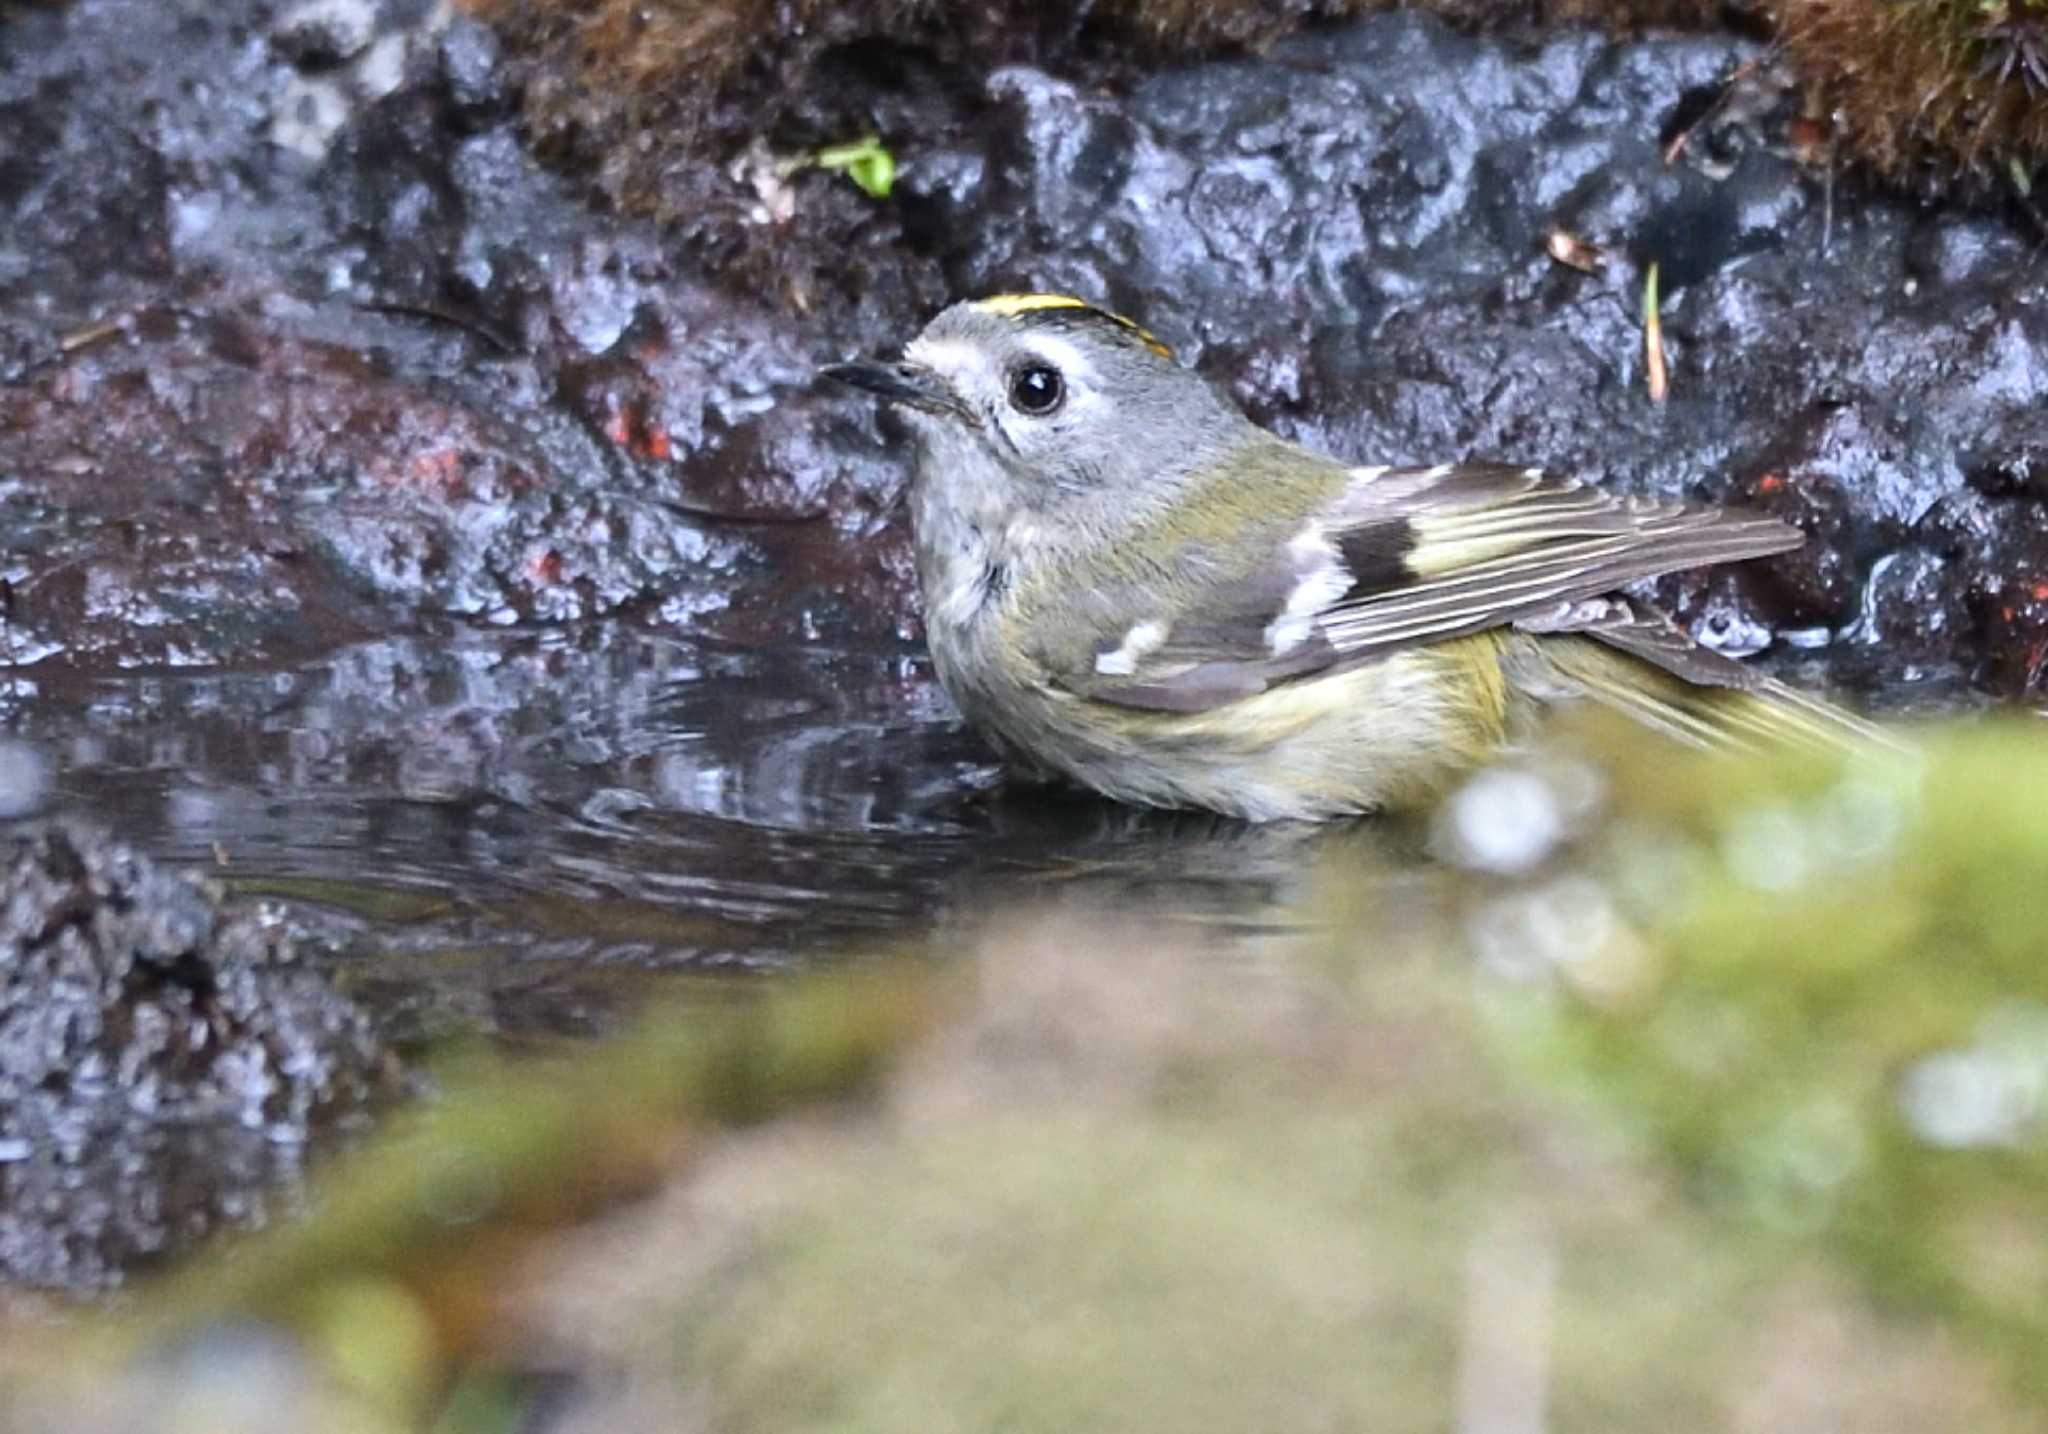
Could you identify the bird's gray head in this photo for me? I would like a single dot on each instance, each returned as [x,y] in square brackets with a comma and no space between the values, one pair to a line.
[1039,400]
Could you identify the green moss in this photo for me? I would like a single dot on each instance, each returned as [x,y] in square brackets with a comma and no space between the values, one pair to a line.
[1848,940]
[1361,1219]
[1929,89]
[1045,1272]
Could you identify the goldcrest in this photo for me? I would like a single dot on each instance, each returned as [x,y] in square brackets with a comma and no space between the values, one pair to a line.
[1130,585]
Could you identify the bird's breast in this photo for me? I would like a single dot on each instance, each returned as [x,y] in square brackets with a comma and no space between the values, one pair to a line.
[967,558]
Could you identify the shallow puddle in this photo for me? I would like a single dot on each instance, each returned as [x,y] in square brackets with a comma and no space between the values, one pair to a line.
[512,834]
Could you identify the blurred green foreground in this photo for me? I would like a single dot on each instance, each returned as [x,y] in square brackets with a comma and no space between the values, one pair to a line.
[1684,1093]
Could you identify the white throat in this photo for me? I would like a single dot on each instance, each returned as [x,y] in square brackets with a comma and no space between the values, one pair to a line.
[968,557]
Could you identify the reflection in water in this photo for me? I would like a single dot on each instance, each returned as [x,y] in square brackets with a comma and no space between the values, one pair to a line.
[510,831]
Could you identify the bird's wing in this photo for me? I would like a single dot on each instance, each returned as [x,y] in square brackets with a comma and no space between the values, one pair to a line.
[1403,556]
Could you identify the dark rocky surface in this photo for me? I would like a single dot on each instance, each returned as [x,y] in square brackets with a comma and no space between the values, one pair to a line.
[343,360]
[164,1061]
[307,400]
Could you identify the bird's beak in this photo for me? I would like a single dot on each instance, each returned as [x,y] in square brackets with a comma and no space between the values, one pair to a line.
[910,384]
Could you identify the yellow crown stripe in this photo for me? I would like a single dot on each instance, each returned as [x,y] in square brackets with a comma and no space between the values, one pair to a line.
[1009,306]
[1013,306]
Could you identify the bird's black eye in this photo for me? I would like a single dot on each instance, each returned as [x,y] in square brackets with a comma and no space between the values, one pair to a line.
[1037,389]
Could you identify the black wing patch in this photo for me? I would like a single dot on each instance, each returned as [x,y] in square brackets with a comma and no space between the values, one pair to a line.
[1375,554]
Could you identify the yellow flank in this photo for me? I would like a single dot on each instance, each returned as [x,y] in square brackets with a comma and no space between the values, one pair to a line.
[1013,306]
[1384,735]
[1477,658]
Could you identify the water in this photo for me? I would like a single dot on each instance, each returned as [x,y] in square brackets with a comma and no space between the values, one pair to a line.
[517,833]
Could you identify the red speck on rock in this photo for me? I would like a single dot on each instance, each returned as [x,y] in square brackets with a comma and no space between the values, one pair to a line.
[618,428]
[436,468]
[546,567]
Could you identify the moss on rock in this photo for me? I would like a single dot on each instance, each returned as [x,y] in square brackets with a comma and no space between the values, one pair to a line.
[1929,90]
[1938,93]
[1821,990]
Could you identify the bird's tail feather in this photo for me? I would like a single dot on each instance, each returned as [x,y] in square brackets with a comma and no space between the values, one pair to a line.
[1761,715]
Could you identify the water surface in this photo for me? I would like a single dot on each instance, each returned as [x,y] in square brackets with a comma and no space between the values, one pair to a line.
[516,833]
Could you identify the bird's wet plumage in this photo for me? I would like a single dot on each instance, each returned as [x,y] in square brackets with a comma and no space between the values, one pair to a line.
[1137,588]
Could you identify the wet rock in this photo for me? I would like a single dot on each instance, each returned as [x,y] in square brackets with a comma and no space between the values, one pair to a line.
[1727,618]
[422,384]
[163,1059]
[472,68]
[268,395]
[1998,553]
[25,780]
[1912,606]
[325,32]
[1949,249]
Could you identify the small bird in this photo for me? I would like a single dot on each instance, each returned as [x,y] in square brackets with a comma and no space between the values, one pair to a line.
[1130,585]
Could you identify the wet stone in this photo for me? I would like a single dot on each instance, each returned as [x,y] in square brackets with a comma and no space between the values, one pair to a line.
[165,1059]
[25,780]
[1911,604]
[470,64]
[1832,352]
[292,366]
[326,32]
[1957,250]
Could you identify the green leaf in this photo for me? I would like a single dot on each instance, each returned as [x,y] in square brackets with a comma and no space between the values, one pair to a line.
[864,161]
